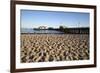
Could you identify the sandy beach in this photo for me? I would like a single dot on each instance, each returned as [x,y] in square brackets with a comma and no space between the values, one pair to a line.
[54,47]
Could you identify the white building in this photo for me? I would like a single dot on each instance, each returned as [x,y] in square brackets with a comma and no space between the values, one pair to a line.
[42,27]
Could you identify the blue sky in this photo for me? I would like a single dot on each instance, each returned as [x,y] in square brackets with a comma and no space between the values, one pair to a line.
[36,18]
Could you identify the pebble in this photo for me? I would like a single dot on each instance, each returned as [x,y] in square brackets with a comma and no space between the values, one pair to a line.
[52,47]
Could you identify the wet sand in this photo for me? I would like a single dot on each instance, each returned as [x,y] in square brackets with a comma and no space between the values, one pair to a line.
[54,47]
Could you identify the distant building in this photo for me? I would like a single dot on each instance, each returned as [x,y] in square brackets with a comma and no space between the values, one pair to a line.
[42,27]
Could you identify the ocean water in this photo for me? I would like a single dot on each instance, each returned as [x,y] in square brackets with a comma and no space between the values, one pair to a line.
[40,31]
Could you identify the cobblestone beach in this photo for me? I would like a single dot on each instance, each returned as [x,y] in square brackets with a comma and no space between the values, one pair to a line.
[54,47]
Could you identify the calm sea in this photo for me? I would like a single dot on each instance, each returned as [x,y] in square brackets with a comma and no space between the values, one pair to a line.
[40,31]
